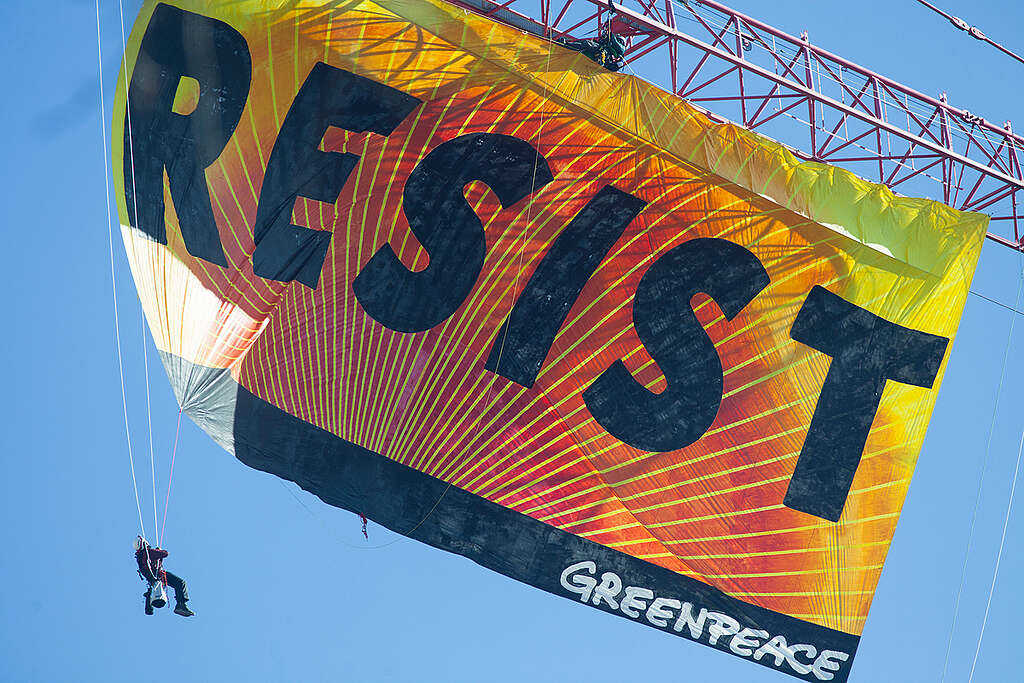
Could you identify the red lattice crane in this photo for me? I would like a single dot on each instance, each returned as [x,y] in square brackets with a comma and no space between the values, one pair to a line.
[823,107]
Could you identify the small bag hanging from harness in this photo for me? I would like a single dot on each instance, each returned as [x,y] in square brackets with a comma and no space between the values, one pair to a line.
[157,594]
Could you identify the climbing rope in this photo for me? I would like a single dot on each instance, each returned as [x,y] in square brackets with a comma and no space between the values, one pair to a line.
[113,287]
[113,279]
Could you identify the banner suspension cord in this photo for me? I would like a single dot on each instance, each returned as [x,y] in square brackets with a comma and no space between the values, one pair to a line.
[981,481]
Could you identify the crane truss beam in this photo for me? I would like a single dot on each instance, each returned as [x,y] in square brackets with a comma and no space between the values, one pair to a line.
[823,107]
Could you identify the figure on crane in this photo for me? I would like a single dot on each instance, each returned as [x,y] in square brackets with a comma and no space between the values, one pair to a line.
[150,561]
[608,49]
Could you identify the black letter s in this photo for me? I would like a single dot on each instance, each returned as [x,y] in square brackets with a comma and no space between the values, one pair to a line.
[671,333]
[447,228]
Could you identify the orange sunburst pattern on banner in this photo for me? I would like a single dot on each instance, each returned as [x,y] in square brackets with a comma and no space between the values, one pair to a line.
[713,510]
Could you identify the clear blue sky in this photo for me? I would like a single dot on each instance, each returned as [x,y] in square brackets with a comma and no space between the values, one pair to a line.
[288,590]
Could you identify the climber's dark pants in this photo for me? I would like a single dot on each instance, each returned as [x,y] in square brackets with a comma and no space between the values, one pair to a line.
[178,584]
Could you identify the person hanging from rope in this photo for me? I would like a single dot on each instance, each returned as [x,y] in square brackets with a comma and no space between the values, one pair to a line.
[608,49]
[151,569]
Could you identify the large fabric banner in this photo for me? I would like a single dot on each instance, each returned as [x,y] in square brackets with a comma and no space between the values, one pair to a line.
[470,284]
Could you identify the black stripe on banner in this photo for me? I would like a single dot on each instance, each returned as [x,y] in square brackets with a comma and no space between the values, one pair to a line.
[401,498]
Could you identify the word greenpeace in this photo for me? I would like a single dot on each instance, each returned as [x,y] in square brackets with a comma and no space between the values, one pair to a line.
[634,601]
